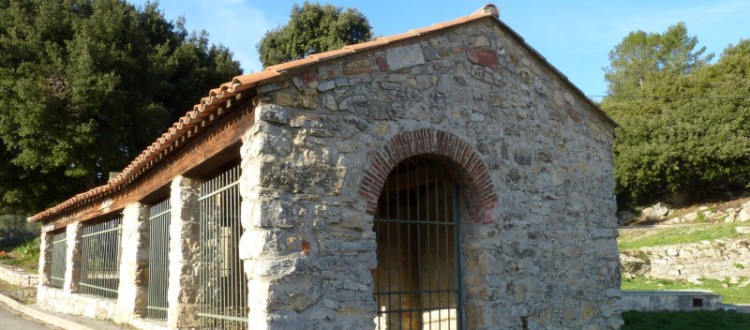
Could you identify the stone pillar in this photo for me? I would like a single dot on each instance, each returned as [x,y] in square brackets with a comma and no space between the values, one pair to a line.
[73,257]
[287,192]
[184,249]
[132,295]
[255,236]
[45,256]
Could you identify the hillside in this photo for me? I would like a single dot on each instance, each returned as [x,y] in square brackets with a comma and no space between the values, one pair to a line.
[703,246]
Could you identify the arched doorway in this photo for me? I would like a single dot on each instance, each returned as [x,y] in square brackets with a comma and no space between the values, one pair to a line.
[417,282]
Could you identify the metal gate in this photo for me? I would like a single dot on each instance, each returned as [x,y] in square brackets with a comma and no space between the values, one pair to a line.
[158,264]
[100,258]
[417,282]
[223,283]
[59,247]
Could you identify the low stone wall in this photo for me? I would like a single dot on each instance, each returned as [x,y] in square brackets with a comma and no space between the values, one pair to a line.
[674,301]
[57,300]
[17,276]
[716,259]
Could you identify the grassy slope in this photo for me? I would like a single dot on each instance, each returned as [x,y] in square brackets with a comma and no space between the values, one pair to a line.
[638,238]
[632,239]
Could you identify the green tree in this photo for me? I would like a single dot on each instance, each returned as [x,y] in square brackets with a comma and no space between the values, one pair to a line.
[313,28]
[86,85]
[641,53]
[685,134]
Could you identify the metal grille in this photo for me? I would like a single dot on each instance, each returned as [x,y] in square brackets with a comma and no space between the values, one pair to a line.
[59,247]
[100,258]
[222,280]
[417,282]
[158,260]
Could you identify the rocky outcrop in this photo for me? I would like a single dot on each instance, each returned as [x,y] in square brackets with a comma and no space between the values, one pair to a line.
[658,211]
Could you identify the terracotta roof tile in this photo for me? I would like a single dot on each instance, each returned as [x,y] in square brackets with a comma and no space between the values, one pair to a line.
[216,97]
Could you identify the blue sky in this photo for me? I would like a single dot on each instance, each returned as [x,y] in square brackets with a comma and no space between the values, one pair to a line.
[575,36]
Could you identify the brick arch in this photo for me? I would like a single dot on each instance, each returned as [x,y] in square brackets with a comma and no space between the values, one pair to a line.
[482,198]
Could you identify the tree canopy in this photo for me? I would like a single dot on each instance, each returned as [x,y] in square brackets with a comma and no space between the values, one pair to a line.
[313,28]
[641,53]
[684,122]
[85,86]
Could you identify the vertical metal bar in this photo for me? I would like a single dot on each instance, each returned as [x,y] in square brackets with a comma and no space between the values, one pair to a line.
[430,257]
[446,185]
[457,244]
[438,260]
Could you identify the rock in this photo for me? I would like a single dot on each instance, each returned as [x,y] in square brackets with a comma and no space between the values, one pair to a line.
[743,230]
[633,266]
[405,56]
[675,220]
[656,212]
[744,214]
[691,217]
[625,217]
[483,56]
[360,66]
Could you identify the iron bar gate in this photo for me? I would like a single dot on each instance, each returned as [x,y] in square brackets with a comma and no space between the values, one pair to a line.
[100,258]
[59,247]
[417,282]
[222,280]
[158,260]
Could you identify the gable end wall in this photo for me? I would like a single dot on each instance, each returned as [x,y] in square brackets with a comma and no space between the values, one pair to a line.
[544,255]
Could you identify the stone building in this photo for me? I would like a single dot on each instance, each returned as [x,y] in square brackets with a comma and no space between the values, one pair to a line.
[446,177]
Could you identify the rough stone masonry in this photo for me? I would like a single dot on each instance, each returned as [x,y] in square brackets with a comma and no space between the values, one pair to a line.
[542,256]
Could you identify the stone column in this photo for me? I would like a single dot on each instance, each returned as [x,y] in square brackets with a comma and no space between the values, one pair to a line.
[255,236]
[45,256]
[184,249]
[132,295]
[73,257]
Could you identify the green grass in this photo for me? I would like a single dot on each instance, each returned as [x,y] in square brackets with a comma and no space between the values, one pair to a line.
[732,294]
[25,256]
[703,320]
[638,238]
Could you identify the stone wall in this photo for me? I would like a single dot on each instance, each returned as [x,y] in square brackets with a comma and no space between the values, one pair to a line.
[58,300]
[717,259]
[541,253]
[17,276]
[673,301]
